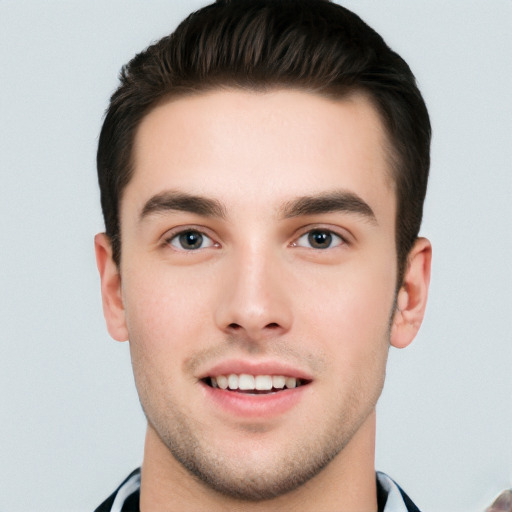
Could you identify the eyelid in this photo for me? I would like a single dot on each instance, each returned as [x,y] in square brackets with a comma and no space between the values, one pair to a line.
[336,231]
[179,230]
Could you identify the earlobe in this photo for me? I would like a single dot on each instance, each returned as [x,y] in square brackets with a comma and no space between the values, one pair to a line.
[411,300]
[112,300]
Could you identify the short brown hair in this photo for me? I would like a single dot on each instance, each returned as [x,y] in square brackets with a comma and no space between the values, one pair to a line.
[312,45]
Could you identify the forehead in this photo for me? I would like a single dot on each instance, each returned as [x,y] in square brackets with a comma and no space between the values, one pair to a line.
[260,146]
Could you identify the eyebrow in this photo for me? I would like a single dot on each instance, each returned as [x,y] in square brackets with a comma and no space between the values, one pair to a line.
[183,202]
[338,201]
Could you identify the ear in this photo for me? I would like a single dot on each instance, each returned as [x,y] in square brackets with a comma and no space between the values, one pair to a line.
[412,296]
[111,295]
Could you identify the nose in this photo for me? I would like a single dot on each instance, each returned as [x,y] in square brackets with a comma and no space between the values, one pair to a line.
[254,302]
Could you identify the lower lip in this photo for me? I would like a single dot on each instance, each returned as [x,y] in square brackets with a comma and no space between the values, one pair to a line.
[255,406]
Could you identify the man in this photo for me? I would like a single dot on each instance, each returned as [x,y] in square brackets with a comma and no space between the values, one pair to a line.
[262,175]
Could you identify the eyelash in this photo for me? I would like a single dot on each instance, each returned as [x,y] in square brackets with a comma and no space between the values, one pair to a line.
[333,237]
[174,239]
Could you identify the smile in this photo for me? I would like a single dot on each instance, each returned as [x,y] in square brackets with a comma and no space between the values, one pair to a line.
[254,390]
[254,384]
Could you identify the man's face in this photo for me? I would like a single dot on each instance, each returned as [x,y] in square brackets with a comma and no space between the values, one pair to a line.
[258,240]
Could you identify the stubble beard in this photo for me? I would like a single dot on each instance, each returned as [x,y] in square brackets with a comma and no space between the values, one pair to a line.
[290,468]
[239,480]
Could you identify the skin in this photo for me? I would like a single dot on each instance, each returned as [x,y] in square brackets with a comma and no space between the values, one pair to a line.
[257,290]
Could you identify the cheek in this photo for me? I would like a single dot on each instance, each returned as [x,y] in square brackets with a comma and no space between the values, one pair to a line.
[162,313]
[356,298]
[165,319]
[349,311]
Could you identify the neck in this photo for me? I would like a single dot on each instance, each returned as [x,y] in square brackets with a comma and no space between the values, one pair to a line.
[346,484]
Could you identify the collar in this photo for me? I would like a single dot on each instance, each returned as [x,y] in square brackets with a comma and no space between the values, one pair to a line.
[395,501]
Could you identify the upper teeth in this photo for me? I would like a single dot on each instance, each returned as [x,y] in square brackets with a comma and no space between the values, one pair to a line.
[247,382]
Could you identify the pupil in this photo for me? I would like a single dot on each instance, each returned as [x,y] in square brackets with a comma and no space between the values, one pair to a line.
[320,239]
[191,240]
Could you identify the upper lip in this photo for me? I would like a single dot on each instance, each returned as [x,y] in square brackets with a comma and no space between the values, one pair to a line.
[239,366]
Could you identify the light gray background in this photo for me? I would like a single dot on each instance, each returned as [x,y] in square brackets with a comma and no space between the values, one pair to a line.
[71,426]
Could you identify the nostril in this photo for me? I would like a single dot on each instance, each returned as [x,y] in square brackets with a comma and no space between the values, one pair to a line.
[233,327]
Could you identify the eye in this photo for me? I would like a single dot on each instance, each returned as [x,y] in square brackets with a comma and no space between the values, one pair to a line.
[190,240]
[319,239]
